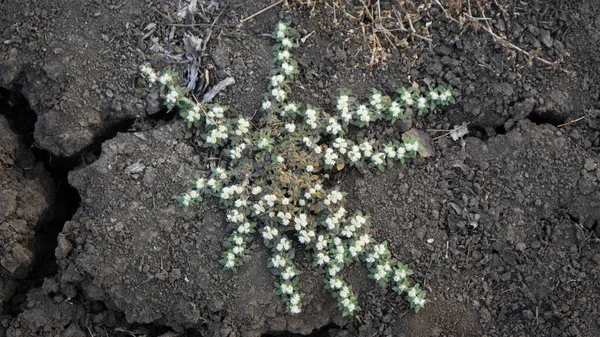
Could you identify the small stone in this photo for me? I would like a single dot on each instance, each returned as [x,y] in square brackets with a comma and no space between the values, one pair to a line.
[590,164]
[527,314]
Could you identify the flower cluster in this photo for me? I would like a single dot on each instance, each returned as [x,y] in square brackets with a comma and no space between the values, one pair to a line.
[271,182]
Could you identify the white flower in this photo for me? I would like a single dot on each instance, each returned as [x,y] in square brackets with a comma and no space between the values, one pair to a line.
[263,143]
[285,201]
[243,126]
[412,293]
[363,113]
[344,292]
[390,152]
[342,102]
[330,157]
[186,200]
[287,68]
[295,299]
[294,309]
[278,261]
[422,102]
[335,283]
[318,149]
[200,183]
[290,127]
[165,79]
[400,152]
[238,250]
[287,288]
[266,105]
[341,144]
[444,96]
[270,233]
[350,307]
[417,301]
[279,159]
[281,26]
[171,97]
[279,94]
[301,221]
[256,190]
[284,55]
[322,258]
[288,273]
[413,146]
[230,264]
[333,197]
[399,275]
[333,127]
[245,228]
[354,154]
[376,100]
[309,168]
[378,158]
[306,237]
[284,244]
[194,194]
[434,95]
[366,148]
[270,199]
[334,270]
[287,43]
[407,98]
[395,109]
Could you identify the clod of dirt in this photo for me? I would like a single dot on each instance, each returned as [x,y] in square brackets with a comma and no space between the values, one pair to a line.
[25,200]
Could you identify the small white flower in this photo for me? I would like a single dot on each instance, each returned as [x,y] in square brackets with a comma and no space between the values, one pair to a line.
[407,98]
[330,157]
[171,97]
[422,102]
[287,42]
[287,68]
[390,152]
[165,79]
[412,293]
[295,299]
[200,183]
[413,146]
[244,229]
[318,149]
[287,288]
[256,190]
[395,109]
[284,55]
[290,127]
[354,154]
[230,264]
[378,158]
[278,261]
[444,96]
[309,168]
[288,273]
[434,95]
[266,105]
[284,244]
[336,283]
[279,159]
[294,309]
[333,127]
[366,148]
[279,94]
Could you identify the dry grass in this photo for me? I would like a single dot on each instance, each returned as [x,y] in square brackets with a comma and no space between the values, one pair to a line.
[399,24]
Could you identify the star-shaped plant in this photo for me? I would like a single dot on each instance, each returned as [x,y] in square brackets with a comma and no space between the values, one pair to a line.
[273,180]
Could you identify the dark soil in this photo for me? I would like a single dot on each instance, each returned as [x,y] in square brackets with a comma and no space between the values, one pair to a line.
[502,228]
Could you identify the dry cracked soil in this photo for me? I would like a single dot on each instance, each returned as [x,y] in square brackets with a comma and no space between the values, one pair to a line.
[502,227]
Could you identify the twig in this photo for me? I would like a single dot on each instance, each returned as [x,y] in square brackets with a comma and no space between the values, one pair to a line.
[446,12]
[450,132]
[263,10]
[571,122]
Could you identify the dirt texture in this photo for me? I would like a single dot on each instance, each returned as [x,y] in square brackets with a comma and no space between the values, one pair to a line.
[502,228]
[25,201]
